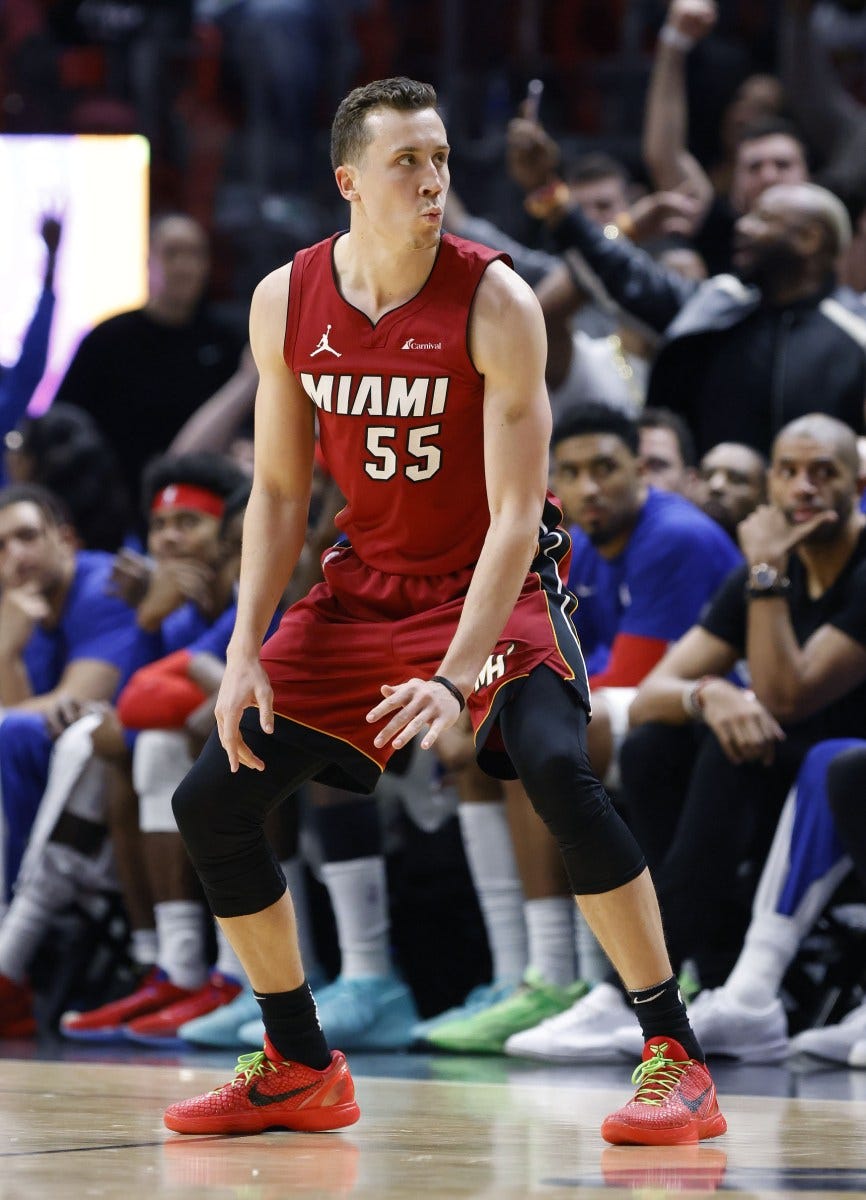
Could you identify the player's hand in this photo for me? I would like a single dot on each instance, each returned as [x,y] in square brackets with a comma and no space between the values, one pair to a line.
[412,706]
[766,535]
[244,684]
[746,731]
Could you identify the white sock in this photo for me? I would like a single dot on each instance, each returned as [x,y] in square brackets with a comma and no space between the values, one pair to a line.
[21,931]
[550,926]
[227,962]
[493,867]
[180,935]
[593,965]
[143,946]
[771,943]
[293,869]
[359,897]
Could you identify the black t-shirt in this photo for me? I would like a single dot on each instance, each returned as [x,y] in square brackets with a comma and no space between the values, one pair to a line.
[843,606]
[140,380]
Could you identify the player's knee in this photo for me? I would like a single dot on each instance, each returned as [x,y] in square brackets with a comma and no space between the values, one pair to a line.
[193,812]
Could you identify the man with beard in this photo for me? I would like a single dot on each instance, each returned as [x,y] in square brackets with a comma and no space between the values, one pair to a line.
[731,483]
[740,356]
[708,768]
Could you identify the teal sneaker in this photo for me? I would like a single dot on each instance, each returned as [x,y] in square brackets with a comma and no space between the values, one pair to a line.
[377,1013]
[221,1028]
[481,997]
[487,1031]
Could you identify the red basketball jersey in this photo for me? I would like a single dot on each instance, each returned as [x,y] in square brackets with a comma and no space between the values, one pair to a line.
[399,406]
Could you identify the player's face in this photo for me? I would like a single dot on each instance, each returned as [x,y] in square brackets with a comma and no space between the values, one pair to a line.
[731,484]
[598,480]
[32,550]
[807,477]
[401,181]
[661,462]
[763,162]
[183,533]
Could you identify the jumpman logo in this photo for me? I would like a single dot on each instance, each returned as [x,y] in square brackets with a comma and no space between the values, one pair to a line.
[323,345]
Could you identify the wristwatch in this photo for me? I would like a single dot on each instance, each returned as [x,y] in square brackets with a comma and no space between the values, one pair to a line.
[766,580]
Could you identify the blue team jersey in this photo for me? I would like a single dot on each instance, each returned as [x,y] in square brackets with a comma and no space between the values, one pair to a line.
[93,624]
[675,560]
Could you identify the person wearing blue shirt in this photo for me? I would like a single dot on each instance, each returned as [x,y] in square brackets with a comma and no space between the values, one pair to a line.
[65,643]
[180,597]
[644,563]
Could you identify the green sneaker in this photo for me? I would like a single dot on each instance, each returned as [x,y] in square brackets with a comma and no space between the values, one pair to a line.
[487,1031]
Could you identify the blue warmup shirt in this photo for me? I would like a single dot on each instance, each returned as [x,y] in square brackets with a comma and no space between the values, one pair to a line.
[93,624]
[674,561]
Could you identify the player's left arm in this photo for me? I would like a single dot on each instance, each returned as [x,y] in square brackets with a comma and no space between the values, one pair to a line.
[508,347]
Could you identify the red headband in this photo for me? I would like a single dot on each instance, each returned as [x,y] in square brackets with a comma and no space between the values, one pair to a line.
[187,495]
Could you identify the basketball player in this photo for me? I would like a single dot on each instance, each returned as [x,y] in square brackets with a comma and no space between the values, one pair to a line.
[444,593]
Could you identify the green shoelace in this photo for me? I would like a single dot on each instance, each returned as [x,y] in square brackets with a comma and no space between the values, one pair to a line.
[249,1066]
[657,1076]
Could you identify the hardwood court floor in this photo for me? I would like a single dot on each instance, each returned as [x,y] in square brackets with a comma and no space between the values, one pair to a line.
[78,1128]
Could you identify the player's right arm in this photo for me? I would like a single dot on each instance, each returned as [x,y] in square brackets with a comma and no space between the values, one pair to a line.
[276,517]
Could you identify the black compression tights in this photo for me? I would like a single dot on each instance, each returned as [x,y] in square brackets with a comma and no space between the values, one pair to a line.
[544,731]
[220,817]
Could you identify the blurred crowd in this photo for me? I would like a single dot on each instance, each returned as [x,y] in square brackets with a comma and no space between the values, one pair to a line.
[684,186]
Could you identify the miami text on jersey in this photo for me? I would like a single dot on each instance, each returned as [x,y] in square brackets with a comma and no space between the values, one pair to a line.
[373,396]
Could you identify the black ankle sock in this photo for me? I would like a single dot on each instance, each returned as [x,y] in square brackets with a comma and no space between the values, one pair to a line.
[292,1024]
[661,1013]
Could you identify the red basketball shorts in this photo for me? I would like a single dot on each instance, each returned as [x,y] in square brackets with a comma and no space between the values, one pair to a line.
[363,628]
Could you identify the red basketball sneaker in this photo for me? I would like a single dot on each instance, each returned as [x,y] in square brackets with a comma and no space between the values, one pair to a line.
[675,1101]
[160,1028]
[16,1009]
[106,1023]
[270,1093]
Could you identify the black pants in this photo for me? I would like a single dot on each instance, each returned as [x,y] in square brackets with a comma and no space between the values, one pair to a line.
[706,826]
[543,725]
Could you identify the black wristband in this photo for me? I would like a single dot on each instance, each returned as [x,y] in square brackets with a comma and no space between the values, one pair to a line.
[452,688]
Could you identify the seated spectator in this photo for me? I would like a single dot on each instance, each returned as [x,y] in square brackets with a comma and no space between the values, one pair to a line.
[188,614]
[19,381]
[169,601]
[731,483]
[706,771]
[65,643]
[844,780]
[141,374]
[667,451]
[740,358]
[792,613]
[64,451]
[644,564]
[810,855]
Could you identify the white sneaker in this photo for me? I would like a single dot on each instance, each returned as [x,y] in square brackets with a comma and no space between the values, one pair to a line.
[836,1042]
[580,1034]
[724,1026]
